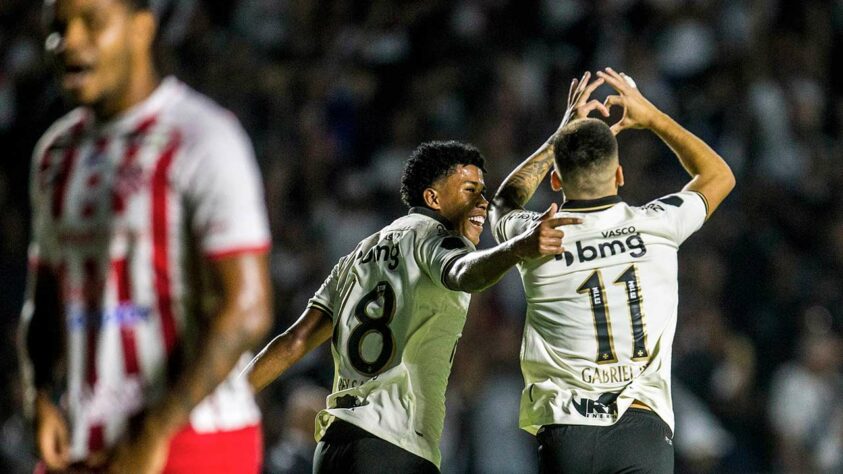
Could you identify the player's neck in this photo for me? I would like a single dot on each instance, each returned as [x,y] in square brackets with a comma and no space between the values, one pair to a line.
[137,90]
[575,195]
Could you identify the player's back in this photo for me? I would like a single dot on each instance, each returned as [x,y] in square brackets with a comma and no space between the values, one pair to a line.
[601,317]
[396,326]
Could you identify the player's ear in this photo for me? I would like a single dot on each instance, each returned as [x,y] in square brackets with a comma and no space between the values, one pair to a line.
[431,198]
[145,28]
[555,181]
[619,176]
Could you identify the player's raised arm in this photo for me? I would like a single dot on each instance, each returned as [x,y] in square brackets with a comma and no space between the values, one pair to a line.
[311,330]
[522,183]
[710,175]
[481,269]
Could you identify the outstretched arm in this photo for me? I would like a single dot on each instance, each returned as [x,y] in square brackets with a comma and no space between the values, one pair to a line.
[522,183]
[710,175]
[311,330]
[481,269]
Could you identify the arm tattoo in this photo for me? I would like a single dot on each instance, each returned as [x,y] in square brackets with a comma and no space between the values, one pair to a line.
[522,183]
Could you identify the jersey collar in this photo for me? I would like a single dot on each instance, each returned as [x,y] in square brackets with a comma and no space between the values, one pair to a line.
[433,215]
[591,205]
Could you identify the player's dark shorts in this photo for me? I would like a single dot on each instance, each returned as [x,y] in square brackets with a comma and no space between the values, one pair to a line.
[347,449]
[639,442]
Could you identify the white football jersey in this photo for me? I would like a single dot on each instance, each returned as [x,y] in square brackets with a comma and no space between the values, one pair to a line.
[396,326]
[601,318]
[127,214]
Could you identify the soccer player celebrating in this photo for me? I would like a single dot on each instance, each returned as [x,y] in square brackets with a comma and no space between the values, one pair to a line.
[601,316]
[148,281]
[394,309]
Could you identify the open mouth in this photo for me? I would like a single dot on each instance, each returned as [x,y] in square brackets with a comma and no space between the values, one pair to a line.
[74,74]
[477,220]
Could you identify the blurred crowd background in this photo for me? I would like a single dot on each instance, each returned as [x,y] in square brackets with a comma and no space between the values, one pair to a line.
[336,94]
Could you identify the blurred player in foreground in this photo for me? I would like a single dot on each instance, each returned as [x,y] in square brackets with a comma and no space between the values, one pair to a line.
[394,309]
[601,316]
[148,281]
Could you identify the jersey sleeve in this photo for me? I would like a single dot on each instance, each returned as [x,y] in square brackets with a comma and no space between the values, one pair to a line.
[437,252]
[513,224]
[226,193]
[43,244]
[683,213]
[327,294]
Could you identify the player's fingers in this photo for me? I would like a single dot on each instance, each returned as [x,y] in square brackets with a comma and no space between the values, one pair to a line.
[617,75]
[53,453]
[591,88]
[613,100]
[579,90]
[560,221]
[549,212]
[617,128]
[593,104]
[616,82]
[571,90]
[551,249]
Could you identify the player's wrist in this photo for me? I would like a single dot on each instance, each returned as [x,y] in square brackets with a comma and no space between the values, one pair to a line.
[657,121]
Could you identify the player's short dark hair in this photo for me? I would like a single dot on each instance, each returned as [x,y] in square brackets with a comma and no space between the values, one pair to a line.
[432,161]
[582,147]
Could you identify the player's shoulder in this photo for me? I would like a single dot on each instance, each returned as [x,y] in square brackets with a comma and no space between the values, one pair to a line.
[60,133]
[424,223]
[671,202]
[198,118]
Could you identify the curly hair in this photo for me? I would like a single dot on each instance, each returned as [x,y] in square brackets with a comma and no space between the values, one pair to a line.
[432,161]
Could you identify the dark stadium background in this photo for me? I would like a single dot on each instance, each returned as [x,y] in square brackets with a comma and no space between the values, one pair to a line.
[335,94]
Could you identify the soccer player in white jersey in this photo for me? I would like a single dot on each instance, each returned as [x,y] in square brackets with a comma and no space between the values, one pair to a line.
[394,309]
[601,316]
[148,281]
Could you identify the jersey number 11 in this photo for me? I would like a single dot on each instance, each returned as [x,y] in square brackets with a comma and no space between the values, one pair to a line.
[596,292]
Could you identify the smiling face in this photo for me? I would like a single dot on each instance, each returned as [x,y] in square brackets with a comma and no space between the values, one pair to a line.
[458,197]
[101,50]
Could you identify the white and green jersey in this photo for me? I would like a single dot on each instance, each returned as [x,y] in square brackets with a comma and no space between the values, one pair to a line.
[396,326]
[601,317]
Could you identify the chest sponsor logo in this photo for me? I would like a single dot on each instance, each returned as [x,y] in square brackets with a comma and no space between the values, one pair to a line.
[626,240]
[123,315]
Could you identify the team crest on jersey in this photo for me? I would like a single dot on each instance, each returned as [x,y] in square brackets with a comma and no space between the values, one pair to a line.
[129,180]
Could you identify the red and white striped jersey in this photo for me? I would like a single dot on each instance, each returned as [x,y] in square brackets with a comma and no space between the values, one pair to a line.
[128,213]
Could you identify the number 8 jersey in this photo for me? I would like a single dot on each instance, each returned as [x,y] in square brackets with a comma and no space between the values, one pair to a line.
[396,325]
[601,317]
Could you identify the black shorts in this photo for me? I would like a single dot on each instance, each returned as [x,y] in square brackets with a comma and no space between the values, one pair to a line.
[639,442]
[347,449]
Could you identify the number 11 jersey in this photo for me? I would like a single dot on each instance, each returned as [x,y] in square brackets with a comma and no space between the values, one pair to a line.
[602,316]
[396,326]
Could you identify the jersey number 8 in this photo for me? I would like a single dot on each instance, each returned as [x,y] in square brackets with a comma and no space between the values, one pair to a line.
[384,294]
